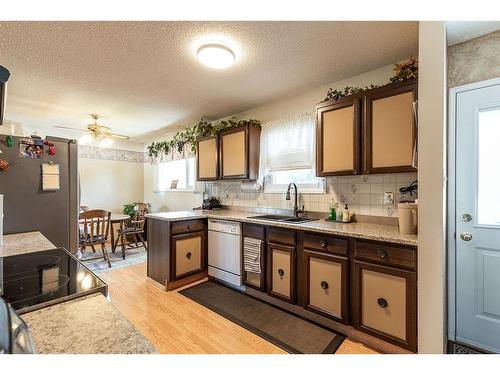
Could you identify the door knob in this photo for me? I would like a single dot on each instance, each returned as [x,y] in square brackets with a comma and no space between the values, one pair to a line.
[382,302]
[466,236]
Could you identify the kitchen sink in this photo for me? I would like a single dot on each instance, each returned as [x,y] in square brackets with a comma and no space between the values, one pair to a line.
[283,218]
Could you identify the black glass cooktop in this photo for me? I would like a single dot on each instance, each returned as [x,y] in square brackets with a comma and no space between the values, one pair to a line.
[35,280]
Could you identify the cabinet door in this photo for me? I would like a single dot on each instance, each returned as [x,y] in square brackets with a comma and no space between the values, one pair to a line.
[338,137]
[207,159]
[385,303]
[188,254]
[234,153]
[281,271]
[325,278]
[390,129]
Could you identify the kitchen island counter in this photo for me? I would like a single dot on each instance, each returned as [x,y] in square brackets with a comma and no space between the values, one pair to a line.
[23,243]
[87,325]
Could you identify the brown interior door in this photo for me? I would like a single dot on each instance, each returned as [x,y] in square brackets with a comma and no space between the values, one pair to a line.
[338,137]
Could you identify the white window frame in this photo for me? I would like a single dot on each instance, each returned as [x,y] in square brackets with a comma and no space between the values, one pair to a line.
[318,187]
[189,189]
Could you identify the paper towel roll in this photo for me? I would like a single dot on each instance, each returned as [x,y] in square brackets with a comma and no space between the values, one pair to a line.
[250,186]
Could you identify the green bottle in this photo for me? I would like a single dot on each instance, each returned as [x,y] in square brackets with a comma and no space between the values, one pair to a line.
[332,215]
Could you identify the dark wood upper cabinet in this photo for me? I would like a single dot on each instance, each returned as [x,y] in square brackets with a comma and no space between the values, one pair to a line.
[233,154]
[239,153]
[370,132]
[389,129]
[207,160]
[338,130]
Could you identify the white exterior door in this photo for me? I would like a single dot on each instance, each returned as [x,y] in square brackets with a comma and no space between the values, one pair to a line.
[477,217]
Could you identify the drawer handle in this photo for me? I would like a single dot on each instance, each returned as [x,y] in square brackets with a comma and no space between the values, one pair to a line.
[382,254]
[189,227]
[281,272]
[188,255]
[323,243]
[324,285]
[382,302]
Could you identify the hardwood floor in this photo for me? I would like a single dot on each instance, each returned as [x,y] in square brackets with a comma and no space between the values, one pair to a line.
[178,325]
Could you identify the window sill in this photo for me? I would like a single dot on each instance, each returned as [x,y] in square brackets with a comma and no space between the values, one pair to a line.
[281,189]
[176,191]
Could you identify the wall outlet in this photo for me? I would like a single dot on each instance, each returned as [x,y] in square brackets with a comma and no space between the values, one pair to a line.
[388,197]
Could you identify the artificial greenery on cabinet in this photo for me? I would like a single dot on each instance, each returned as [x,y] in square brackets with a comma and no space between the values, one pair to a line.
[187,137]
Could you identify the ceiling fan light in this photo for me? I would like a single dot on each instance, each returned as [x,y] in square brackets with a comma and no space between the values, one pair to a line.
[85,139]
[216,56]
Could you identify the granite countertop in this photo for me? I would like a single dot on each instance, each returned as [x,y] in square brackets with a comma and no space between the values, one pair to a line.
[87,325]
[22,243]
[369,231]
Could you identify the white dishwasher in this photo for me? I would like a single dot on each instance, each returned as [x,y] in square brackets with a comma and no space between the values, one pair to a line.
[224,251]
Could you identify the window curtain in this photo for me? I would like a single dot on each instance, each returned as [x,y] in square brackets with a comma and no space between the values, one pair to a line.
[287,143]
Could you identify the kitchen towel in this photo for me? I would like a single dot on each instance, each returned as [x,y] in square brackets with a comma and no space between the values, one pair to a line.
[251,254]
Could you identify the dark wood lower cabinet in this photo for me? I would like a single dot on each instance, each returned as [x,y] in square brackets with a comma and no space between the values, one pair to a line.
[254,279]
[281,262]
[188,254]
[325,284]
[177,252]
[385,303]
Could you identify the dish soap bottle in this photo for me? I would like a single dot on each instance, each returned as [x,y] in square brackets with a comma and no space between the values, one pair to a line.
[332,215]
[345,214]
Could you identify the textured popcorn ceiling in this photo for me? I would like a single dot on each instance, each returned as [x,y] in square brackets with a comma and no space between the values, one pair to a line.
[143,76]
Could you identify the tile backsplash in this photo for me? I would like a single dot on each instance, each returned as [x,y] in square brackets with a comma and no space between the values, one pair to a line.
[363,194]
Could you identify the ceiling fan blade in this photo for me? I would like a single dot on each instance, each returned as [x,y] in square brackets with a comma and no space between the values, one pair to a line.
[69,128]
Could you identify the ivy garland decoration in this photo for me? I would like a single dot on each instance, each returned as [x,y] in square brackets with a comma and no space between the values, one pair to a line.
[404,71]
[189,135]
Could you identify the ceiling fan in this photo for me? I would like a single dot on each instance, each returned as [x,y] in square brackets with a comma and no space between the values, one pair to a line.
[96,131]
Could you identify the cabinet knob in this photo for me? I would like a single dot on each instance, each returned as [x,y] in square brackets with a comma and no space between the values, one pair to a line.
[281,272]
[354,171]
[382,254]
[382,302]
[324,285]
[367,172]
[189,227]
[188,255]
[323,243]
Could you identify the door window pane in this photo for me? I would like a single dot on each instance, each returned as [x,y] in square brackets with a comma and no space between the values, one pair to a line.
[489,167]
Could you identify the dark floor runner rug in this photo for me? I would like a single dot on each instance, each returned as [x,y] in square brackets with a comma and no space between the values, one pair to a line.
[290,332]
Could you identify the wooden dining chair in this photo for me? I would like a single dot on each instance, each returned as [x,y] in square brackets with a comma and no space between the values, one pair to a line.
[94,230]
[134,228]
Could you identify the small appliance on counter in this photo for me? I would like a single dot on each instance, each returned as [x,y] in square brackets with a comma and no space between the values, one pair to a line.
[15,336]
[211,204]
[408,217]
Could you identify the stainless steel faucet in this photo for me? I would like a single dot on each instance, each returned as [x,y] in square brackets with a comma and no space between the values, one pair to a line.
[296,210]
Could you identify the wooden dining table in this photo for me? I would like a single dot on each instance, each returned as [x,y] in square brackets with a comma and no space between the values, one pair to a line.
[118,219]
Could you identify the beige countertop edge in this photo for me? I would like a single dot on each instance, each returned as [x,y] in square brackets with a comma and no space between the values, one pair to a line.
[368,231]
[86,325]
[23,243]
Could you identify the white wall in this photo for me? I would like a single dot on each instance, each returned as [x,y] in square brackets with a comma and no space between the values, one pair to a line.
[306,101]
[297,104]
[110,184]
[167,201]
[432,187]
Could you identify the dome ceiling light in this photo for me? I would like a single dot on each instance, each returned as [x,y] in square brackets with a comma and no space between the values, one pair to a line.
[216,56]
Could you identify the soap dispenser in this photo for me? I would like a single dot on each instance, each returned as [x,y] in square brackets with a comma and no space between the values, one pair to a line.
[345,214]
